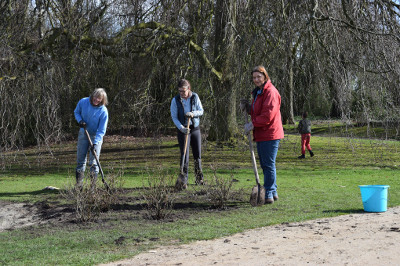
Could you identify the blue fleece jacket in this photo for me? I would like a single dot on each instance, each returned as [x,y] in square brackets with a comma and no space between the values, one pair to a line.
[95,117]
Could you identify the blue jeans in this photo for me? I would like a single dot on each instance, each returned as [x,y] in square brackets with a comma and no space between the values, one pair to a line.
[81,153]
[267,151]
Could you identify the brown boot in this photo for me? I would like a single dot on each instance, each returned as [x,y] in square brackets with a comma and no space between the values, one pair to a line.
[269,201]
[199,179]
[198,172]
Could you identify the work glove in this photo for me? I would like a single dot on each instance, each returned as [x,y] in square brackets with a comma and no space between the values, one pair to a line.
[248,127]
[93,148]
[185,130]
[189,114]
[82,124]
[244,105]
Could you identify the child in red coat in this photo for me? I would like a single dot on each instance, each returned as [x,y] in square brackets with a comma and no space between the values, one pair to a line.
[304,129]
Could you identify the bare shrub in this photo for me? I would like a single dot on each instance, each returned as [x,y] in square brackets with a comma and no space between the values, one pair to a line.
[86,201]
[219,189]
[92,198]
[159,195]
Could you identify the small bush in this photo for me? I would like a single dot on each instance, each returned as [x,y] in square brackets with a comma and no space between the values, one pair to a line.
[159,195]
[219,190]
[92,199]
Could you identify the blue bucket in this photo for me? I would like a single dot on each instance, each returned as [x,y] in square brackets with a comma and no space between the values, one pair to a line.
[374,197]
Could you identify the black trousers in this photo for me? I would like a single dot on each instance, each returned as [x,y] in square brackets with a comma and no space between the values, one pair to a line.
[194,142]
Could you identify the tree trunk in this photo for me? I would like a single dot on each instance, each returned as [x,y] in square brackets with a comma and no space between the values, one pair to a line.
[290,118]
[224,109]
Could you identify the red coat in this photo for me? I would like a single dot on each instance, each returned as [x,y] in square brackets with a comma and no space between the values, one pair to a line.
[266,115]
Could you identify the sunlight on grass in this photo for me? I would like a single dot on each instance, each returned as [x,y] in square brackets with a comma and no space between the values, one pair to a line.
[322,186]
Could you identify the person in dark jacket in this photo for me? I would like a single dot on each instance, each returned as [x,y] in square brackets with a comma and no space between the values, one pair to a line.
[304,128]
[184,105]
[266,123]
[90,113]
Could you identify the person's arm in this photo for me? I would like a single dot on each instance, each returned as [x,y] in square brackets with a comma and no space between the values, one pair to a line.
[270,108]
[174,114]
[198,108]
[101,130]
[78,111]
[299,126]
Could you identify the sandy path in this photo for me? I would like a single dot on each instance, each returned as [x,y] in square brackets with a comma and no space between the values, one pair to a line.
[17,215]
[355,239]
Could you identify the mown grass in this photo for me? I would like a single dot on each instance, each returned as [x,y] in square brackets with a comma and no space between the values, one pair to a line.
[323,186]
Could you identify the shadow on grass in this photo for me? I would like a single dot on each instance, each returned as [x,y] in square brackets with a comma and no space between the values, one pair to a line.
[145,148]
[179,206]
[31,193]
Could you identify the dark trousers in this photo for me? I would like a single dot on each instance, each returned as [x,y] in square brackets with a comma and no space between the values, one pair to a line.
[194,142]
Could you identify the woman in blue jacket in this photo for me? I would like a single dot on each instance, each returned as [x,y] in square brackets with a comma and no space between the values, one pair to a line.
[90,113]
[184,105]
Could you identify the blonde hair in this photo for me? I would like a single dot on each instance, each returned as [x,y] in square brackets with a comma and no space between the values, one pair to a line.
[261,69]
[99,93]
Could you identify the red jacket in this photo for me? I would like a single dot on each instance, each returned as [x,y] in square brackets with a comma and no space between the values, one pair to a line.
[266,115]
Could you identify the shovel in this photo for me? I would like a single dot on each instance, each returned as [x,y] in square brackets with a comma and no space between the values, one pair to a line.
[257,196]
[97,160]
[180,182]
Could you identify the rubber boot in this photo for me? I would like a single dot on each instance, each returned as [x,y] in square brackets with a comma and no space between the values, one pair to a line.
[79,179]
[198,172]
[302,156]
[93,180]
[311,153]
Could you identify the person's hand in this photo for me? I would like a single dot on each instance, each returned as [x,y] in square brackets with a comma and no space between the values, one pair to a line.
[93,148]
[185,130]
[189,114]
[82,124]
[248,127]
[244,105]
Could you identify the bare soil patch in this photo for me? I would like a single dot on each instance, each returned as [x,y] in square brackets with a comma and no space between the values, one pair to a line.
[355,239]
[17,215]
[51,211]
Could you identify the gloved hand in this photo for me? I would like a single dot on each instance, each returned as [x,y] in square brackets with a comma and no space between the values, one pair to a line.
[185,130]
[82,123]
[244,105]
[93,147]
[248,127]
[189,114]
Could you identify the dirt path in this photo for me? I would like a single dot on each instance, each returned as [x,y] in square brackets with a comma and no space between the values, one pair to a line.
[355,239]
[17,215]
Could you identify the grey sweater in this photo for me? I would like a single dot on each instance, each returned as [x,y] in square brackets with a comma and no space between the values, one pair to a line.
[304,126]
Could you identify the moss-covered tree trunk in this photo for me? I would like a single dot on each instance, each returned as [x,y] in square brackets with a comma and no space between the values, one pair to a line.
[224,108]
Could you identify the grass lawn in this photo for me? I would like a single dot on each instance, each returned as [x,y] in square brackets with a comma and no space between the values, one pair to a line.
[323,186]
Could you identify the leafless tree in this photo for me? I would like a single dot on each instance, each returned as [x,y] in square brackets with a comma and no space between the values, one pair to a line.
[333,58]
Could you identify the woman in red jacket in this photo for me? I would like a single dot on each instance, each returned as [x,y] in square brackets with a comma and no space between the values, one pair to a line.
[266,123]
